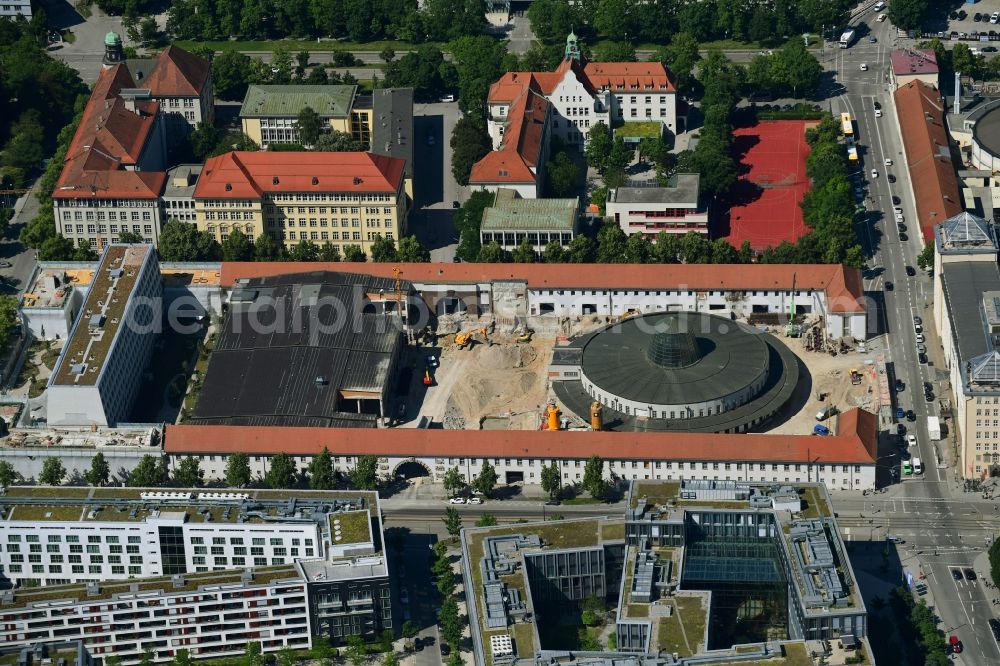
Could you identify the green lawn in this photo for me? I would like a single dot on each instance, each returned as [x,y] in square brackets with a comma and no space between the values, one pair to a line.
[640,130]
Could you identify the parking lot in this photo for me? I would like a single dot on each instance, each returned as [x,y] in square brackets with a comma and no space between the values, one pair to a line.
[963,24]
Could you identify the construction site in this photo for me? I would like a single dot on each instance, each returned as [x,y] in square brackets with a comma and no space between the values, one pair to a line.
[474,375]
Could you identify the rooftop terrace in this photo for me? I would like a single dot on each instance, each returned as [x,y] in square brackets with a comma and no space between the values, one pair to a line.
[53,286]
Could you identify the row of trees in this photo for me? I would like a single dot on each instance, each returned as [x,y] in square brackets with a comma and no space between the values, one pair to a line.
[658,21]
[153,472]
[358,20]
[450,620]
[233,72]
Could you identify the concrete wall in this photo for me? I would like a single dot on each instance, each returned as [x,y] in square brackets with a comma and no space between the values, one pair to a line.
[28,461]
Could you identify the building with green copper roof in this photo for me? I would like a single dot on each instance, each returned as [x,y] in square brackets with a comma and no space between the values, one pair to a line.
[269,113]
[510,219]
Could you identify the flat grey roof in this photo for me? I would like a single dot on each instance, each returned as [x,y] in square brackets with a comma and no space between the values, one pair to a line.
[964,283]
[190,173]
[683,189]
[392,125]
[733,356]
[291,344]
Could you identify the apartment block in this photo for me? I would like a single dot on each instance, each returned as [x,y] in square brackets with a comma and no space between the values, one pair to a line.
[649,210]
[340,198]
[270,114]
[202,570]
[97,376]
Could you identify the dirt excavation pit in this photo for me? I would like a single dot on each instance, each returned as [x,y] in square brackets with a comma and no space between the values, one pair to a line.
[507,380]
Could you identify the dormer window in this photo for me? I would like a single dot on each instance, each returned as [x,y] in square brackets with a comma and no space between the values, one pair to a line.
[274,181]
[503,173]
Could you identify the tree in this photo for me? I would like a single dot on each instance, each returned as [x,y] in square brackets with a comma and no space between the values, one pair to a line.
[994,555]
[551,480]
[387,54]
[614,52]
[562,174]
[147,657]
[491,254]
[281,64]
[552,20]
[98,473]
[310,125]
[336,141]
[580,250]
[253,656]
[486,520]
[553,253]
[452,521]
[412,251]
[354,253]
[455,659]
[236,247]
[479,61]
[486,481]
[304,250]
[925,259]
[470,142]
[383,250]
[611,242]
[8,475]
[203,139]
[410,629]
[390,658]
[467,222]
[799,69]
[56,248]
[446,585]
[282,471]
[182,658]
[83,251]
[189,473]
[524,253]
[638,249]
[181,241]
[130,237]
[453,481]
[907,14]
[321,475]
[420,69]
[149,473]
[593,477]
[680,57]
[265,248]
[364,474]
[450,622]
[238,470]
[356,650]
[598,149]
[616,19]
[230,70]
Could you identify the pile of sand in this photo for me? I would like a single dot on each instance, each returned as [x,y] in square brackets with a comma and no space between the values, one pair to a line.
[503,357]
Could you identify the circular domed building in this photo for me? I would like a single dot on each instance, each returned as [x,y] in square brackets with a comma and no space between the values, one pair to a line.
[682,371]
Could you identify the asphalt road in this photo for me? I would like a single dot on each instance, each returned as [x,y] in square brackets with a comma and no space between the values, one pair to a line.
[943,527]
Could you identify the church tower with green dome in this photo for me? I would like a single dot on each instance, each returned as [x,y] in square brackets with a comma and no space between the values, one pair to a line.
[572,47]
[113,52]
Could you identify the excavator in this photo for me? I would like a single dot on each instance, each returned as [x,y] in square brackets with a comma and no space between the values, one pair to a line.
[526,336]
[464,339]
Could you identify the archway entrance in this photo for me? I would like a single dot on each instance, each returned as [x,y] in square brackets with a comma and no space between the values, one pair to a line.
[410,469]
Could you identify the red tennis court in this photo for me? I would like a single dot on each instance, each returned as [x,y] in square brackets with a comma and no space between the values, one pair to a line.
[763,205]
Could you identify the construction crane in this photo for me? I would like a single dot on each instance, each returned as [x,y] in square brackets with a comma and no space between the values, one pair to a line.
[792,331]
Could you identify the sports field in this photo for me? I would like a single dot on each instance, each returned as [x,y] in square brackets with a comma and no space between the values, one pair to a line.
[763,206]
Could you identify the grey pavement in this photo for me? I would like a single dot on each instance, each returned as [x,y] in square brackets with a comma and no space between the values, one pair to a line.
[14,279]
[85,54]
[435,188]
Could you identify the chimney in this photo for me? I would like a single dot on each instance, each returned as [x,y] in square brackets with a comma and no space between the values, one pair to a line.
[129,103]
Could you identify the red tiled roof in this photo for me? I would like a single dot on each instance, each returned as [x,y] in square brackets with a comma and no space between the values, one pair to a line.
[110,140]
[521,147]
[842,285]
[249,174]
[928,154]
[854,443]
[629,76]
[177,73]
[914,61]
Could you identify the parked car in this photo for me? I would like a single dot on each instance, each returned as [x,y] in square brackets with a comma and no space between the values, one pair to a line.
[820,429]
[445,649]
[900,429]
[955,644]
[911,440]
[874,173]
[895,200]
[929,397]
[920,338]
[888,162]
[888,286]
[989,49]
[995,628]
[864,67]
[475,500]
[910,271]
[900,413]
[917,319]
[900,386]
[903,237]
[457,500]
[5,264]
[922,358]
[892,178]
[956,574]
[969,574]
[910,416]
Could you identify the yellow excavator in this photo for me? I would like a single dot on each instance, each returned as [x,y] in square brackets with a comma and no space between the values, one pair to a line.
[526,336]
[463,340]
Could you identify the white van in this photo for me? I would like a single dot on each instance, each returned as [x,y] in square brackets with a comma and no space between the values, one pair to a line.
[918,467]
[879,6]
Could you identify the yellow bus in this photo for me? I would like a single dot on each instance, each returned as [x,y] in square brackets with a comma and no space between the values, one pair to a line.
[846,124]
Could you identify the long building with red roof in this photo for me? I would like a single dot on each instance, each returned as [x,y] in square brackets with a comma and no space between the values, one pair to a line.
[844,460]
[545,293]
[344,198]
[566,103]
[921,112]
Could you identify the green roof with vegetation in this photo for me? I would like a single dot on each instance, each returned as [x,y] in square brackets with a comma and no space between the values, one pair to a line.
[640,130]
[287,101]
[355,527]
